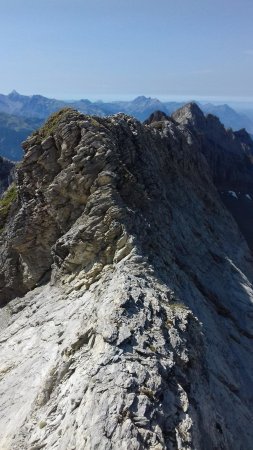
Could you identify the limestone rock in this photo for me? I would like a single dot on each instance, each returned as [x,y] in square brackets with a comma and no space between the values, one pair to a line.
[132,322]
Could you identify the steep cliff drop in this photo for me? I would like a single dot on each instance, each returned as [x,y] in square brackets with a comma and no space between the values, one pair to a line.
[230,158]
[126,318]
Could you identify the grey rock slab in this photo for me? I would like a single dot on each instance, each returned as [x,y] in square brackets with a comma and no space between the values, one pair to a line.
[126,293]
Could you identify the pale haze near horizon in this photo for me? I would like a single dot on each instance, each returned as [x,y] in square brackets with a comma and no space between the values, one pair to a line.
[99,49]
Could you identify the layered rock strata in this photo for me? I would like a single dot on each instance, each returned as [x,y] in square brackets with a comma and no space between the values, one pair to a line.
[132,322]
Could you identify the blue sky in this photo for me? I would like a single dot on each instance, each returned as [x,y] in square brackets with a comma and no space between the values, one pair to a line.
[103,49]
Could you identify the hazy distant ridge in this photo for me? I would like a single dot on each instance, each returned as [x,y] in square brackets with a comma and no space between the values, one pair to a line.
[30,111]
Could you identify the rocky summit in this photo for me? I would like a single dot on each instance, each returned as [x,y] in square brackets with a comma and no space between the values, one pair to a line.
[126,293]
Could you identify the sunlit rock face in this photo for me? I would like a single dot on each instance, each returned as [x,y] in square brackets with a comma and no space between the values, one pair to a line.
[126,319]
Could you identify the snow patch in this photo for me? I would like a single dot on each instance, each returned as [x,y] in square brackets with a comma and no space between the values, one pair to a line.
[233,194]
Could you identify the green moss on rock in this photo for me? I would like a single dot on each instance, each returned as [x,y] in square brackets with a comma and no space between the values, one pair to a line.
[5,204]
[52,122]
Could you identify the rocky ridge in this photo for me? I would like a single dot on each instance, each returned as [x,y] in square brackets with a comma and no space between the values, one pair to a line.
[229,154]
[20,115]
[230,157]
[132,325]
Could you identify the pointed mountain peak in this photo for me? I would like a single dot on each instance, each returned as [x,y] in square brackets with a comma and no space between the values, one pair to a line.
[190,114]
[156,116]
[191,108]
[14,94]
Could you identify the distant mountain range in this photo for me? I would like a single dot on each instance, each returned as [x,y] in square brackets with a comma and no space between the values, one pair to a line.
[229,117]
[14,130]
[20,115]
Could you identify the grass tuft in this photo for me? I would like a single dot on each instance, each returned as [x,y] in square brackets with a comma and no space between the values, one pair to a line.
[5,204]
[52,122]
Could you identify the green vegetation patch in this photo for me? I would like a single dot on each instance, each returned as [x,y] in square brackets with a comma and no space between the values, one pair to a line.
[5,204]
[51,124]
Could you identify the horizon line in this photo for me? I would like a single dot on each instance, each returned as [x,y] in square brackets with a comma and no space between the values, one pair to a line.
[130,97]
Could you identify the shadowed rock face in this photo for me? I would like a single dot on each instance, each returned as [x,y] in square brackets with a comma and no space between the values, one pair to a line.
[230,158]
[142,337]
[6,173]
[229,154]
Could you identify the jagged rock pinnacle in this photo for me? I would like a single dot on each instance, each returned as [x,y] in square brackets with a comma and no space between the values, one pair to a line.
[156,116]
[190,114]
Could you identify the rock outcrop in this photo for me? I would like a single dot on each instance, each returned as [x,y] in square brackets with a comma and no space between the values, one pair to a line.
[132,326]
[230,158]
[229,154]
[6,174]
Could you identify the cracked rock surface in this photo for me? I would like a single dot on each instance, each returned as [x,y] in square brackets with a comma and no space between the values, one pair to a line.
[126,291]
